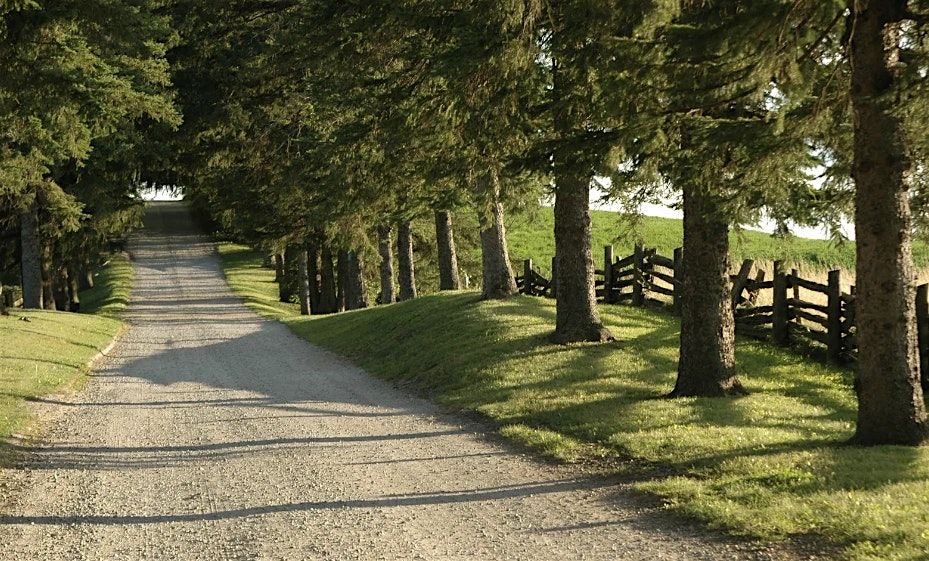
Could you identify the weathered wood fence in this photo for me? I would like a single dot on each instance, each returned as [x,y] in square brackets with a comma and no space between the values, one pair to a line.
[12,296]
[778,308]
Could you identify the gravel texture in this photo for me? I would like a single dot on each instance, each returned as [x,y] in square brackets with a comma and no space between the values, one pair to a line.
[210,433]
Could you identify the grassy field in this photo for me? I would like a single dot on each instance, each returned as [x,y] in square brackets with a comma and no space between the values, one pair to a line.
[530,236]
[769,465]
[49,352]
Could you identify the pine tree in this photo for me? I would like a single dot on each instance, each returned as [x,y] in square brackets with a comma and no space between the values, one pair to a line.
[891,409]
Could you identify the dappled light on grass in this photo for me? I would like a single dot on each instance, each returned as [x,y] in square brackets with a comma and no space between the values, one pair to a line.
[49,352]
[769,464]
[112,286]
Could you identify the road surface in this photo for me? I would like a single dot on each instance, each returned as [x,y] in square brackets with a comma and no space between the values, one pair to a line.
[210,433]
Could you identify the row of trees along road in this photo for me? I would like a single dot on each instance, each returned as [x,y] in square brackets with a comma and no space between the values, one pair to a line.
[317,129]
[82,85]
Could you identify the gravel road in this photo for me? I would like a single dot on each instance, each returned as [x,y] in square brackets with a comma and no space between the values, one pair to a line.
[210,433]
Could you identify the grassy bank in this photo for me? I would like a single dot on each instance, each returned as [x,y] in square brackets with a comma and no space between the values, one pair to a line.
[769,465]
[530,236]
[49,352]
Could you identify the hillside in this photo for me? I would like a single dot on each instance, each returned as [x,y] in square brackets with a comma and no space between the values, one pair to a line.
[770,465]
[531,236]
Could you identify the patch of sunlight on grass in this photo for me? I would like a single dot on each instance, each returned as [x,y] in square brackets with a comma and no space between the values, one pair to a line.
[49,353]
[112,287]
[768,465]
[252,282]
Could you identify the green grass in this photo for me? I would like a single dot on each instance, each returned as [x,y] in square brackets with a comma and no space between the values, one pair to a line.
[112,287]
[530,236]
[769,465]
[49,353]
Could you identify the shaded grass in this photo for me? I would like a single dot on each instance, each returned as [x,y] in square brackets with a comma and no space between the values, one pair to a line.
[49,352]
[768,465]
[112,286]
[252,282]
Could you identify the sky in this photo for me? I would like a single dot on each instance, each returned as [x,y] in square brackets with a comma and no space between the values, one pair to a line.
[768,226]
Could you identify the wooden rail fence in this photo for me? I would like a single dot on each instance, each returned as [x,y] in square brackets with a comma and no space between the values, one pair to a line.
[777,308]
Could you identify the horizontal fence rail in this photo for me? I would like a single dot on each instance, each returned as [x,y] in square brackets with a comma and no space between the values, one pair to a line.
[783,307]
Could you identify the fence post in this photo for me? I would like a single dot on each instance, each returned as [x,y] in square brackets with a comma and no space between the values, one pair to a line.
[527,277]
[834,318]
[740,281]
[608,296]
[553,287]
[922,331]
[796,290]
[781,310]
[638,264]
[678,277]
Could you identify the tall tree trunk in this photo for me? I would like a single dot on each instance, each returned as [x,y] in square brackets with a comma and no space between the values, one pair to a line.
[498,279]
[278,268]
[87,274]
[328,299]
[61,290]
[448,256]
[342,265]
[356,296]
[31,259]
[74,287]
[48,277]
[385,250]
[890,400]
[576,317]
[312,264]
[303,281]
[407,271]
[707,359]
[289,283]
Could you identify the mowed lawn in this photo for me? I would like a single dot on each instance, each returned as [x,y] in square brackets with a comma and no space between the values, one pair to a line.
[49,352]
[769,465]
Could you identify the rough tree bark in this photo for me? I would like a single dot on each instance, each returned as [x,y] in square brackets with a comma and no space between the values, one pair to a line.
[890,400]
[312,264]
[328,299]
[498,280]
[386,268]
[278,268]
[287,284]
[87,274]
[303,282]
[48,280]
[706,366]
[61,290]
[356,294]
[576,317]
[74,286]
[407,273]
[447,254]
[31,259]
[342,285]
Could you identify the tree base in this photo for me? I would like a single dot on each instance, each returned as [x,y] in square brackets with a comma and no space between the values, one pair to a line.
[592,334]
[498,295]
[727,388]
[918,436]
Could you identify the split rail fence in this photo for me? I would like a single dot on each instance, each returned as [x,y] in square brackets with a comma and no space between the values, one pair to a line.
[778,308]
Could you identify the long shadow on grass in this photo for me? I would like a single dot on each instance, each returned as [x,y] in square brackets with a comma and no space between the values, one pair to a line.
[641,367]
